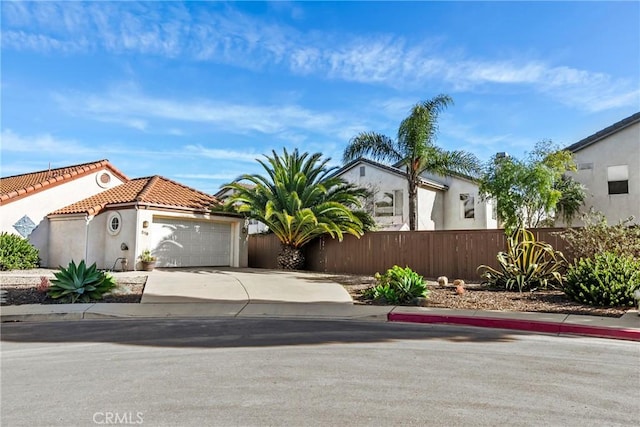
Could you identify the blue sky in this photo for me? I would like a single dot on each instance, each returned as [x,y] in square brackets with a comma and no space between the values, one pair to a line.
[196,91]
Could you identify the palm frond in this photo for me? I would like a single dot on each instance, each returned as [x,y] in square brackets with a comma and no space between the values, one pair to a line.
[373,145]
[298,198]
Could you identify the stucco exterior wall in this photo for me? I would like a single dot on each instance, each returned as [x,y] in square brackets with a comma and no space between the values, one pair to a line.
[105,248]
[80,238]
[381,181]
[38,205]
[430,209]
[620,148]
[68,241]
[437,209]
[453,216]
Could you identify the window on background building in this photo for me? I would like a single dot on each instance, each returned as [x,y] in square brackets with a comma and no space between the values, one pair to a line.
[397,202]
[467,206]
[361,170]
[618,179]
[389,205]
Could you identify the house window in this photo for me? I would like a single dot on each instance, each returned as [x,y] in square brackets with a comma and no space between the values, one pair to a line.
[390,204]
[585,166]
[361,170]
[114,223]
[618,179]
[467,206]
[398,202]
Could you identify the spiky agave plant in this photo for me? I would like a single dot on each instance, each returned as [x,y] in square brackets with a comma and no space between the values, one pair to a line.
[526,264]
[299,199]
[80,283]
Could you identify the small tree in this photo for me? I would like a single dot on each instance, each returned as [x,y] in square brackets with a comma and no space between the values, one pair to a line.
[299,200]
[534,191]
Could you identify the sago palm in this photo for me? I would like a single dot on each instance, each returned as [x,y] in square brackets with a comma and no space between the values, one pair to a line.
[299,200]
[414,149]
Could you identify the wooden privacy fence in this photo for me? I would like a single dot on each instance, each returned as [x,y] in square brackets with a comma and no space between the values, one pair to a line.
[455,254]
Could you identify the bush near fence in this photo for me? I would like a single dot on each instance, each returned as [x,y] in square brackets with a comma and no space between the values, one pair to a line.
[455,253]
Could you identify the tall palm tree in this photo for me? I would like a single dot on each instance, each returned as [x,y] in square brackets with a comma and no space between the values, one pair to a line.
[299,200]
[414,149]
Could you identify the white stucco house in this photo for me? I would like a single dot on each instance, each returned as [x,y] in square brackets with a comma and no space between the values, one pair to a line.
[122,220]
[609,167]
[444,202]
[27,199]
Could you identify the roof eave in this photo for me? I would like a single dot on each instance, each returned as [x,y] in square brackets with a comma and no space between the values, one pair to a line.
[604,133]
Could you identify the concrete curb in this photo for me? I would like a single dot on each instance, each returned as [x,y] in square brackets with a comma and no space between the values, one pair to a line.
[625,328]
[630,334]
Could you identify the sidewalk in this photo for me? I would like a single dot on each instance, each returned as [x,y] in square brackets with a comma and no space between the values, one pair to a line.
[626,327]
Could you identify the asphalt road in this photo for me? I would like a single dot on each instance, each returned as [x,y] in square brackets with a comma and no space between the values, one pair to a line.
[306,373]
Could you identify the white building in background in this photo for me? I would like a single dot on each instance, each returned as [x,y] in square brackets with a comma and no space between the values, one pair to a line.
[609,167]
[444,203]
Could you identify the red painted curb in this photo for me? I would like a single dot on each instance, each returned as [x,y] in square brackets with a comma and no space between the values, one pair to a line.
[520,325]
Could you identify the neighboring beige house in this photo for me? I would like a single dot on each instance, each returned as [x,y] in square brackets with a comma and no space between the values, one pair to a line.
[609,167]
[26,199]
[121,221]
[444,203]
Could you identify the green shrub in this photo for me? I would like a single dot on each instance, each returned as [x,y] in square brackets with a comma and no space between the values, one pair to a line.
[17,253]
[80,284]
[606,280]
[597,237]
[398,286]
[527,264]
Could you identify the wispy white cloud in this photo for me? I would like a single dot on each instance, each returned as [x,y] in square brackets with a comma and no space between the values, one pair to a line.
[127,106]
[219,33]
[47,144]
[13,142]
[219,154]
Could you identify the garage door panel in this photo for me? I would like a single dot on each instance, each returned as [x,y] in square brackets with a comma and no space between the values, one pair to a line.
[179,243]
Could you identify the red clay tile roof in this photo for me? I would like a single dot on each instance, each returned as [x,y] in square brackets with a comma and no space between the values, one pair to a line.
[154,190]
[17,186]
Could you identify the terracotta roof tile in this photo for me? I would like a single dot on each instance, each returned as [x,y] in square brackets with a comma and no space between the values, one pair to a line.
[154,190]
[18,185]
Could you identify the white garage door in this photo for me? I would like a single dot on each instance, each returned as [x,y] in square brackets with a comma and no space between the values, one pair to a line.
[182,243]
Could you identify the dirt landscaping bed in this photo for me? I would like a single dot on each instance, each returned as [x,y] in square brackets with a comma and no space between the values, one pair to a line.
[478,297]
[23,290]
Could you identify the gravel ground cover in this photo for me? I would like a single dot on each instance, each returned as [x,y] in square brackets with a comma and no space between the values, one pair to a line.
[478,297]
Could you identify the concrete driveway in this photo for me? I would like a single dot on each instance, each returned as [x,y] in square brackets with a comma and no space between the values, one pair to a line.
[241,285]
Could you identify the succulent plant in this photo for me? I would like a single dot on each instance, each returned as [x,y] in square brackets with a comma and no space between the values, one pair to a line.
[80,283]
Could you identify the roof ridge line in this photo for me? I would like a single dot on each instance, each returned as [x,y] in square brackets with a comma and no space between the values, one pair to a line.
[102,162]
[147,188]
